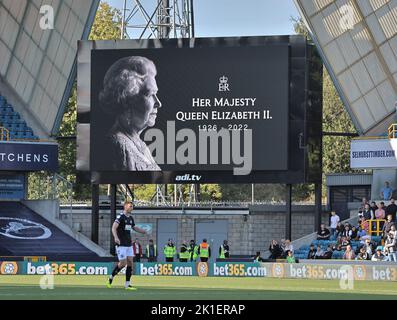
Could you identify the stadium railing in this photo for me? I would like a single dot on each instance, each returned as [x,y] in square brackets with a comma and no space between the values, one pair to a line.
[374,226]
[392,131]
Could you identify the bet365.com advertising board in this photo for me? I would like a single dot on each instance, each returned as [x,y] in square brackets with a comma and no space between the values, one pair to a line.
[271,270]
[55,268]
[369,272]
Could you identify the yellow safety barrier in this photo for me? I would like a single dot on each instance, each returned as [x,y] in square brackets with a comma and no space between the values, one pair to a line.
[25,258]
[392,131]
[374,226]
[4,134]
[35,259]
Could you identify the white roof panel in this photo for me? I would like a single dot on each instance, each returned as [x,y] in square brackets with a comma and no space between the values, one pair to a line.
[36,64]
[358,43]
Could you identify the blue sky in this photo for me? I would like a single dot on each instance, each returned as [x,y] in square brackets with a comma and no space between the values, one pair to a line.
[217,18]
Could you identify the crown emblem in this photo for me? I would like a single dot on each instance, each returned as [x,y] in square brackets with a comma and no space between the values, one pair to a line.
[223,84]
[223,79]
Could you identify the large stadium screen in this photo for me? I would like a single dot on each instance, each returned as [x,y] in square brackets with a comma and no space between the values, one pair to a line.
[190,109]
[175,113]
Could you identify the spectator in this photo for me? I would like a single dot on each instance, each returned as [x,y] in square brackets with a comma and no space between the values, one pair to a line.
[319,253]
[288,247]
[364,224]
[344,242]
[363,255]
[386,192]
[275,250]
[387,226]
[311,254]
[368,247]
[282,244]
[290,257]
[361,232]
[354,233]
[362,207]
[378,256]
[137,249]
[380,213]
[391,247]
[349,253]
[328,254]
[373,209]
[363,203]
[367,212]
[324,233]
[393,230]
[347,233]
[334,223]
[339,229]
[394,194]
[391,209]
[338,247]
[151,251]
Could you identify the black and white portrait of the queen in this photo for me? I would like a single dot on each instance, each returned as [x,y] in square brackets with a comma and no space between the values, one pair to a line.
[129,98]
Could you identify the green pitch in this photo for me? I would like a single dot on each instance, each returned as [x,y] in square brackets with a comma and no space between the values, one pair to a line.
[191,288]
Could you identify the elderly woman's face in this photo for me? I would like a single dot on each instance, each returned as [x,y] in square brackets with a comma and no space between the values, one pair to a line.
[143,110]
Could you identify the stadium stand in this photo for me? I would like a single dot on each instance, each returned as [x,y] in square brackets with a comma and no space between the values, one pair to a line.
[302,252]
[20,232]
[13,122]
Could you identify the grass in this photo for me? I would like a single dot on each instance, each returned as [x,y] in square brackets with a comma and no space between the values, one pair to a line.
[190,288]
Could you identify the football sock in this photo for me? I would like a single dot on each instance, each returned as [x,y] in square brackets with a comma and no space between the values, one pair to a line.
[128,274]
[116,270]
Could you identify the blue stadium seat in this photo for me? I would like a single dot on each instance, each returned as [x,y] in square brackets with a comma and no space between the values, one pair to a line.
[14,118]
[332,238]
[19,135]
[3,102]
[12,121]
[28,135]
[6,111]
[7,125]
[338,254]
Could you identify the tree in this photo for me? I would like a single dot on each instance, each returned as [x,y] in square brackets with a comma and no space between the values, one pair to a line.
[107,23]
[106,26]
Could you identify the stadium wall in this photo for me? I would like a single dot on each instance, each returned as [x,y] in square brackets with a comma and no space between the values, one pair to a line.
[49,210]
[263,223]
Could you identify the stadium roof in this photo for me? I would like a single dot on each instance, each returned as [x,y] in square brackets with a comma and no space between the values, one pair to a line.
[38,67]
[358,42]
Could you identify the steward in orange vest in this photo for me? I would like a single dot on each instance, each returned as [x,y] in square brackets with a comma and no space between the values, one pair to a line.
[204,251]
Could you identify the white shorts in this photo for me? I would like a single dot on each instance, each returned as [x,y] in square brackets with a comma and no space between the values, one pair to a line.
[124,252]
